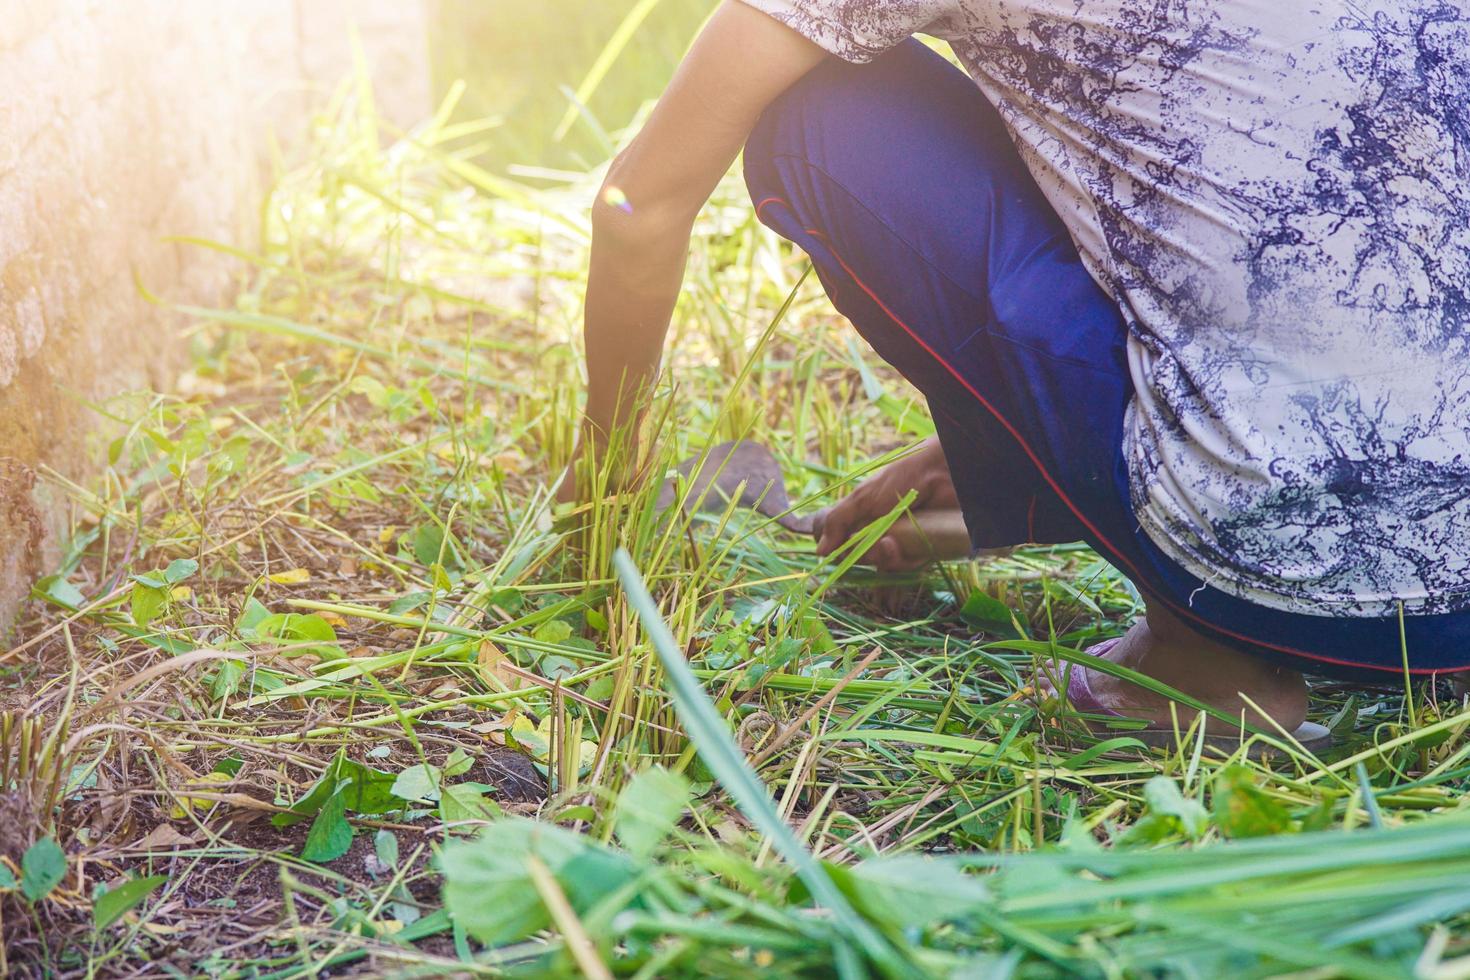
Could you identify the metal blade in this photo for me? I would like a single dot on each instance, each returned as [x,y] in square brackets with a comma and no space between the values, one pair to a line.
[745,472]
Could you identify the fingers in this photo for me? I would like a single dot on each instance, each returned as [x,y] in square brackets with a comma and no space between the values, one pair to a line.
[850,516]
[837,525]
[887,554]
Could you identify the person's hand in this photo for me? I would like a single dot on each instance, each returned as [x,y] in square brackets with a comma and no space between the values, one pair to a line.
[924,472]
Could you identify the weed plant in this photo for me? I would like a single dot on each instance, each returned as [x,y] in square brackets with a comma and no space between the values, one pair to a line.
[325,680]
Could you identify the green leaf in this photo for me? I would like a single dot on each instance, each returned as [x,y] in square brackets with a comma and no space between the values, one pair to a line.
[41,869]
[408,603]
[507,600]
[467,801]
[385,846]
[552,631]
[330,835]
[227,679]
[146,603]
[1242,809]
[908,891]
[557,668]
[648,808]
[60,591]
[366,790]
[429,544]
[985,612]
[418,783]
[179,569]
[370,388]
[488,889]
[7,879]
[1163,798]
[113,905]
[297,626]
[295,629]
[254,613]
[458,763]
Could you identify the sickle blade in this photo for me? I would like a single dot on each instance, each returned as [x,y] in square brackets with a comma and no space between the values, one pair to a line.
[745,472]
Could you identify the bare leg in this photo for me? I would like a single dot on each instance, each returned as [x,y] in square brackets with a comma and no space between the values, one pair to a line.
[1166,649]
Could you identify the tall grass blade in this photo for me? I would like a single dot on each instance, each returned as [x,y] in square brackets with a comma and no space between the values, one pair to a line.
[605,60]
[724,758]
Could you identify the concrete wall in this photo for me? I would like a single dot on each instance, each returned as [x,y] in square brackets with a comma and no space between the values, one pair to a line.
[122,122]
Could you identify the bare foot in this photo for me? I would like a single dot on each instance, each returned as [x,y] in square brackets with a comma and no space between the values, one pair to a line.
[1167,650]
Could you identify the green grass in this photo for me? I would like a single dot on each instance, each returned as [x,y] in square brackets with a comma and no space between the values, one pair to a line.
[320,602]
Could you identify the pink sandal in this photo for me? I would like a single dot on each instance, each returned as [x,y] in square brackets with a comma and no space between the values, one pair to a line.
[1311,736]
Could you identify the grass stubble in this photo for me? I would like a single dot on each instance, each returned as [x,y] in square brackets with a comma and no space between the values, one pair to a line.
[325,683]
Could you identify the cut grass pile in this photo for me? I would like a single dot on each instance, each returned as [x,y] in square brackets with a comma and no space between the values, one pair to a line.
[325,679]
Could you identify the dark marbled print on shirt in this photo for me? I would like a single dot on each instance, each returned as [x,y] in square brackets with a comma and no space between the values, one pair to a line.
[1278,195]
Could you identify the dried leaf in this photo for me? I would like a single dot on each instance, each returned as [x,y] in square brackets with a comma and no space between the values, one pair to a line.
[164,837]
[493,663]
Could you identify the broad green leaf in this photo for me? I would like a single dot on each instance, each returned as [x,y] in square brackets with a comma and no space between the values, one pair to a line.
[114,904]
[385,846]
[297,626]
[458,763]
[534,740]
[59,590]
[557,668]
[227,678]
[909,891]
[367,791]
[41,869]
[330,835]
[552,631]
[146,603]
[179,569]
[418,783]
[984,611]
[648,808]
[254,613]
[467,801]
[306,633]
[1163,797]
[429,544]
[408,603]
[488,889]
[7,879]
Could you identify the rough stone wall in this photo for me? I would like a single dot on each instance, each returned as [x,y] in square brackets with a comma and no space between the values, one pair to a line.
[123,122]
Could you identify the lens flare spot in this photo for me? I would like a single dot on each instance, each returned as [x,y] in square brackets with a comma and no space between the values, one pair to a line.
[614,197]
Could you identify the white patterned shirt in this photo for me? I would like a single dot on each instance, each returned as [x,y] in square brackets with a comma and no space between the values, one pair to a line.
[1278,196]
